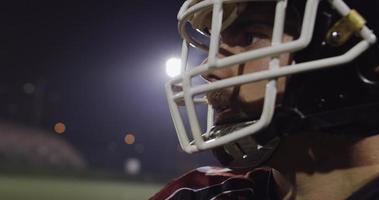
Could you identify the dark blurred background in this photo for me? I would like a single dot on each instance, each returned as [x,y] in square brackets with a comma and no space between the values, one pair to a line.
[82,90]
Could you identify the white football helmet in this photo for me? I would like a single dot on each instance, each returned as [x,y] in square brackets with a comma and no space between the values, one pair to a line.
[217,15]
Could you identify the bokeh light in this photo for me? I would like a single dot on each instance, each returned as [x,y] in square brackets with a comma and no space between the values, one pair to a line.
[173,67]
[29,88]
[129,138]
[60,128]
[132,166]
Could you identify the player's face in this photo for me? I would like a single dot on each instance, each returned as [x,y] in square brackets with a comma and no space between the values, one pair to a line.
[253,30]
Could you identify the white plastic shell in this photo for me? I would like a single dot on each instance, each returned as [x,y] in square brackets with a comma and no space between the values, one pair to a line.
[274,72]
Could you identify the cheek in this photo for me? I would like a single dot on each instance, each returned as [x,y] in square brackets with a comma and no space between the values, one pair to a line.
[254,92]
[285,59]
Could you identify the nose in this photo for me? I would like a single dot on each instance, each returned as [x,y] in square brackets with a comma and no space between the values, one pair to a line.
[221,73]
[217,74]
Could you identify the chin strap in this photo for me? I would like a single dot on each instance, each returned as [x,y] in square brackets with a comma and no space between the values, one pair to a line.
[358,120]
[253,151]
[246,153]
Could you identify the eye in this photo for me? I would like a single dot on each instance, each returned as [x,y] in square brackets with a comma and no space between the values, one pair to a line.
[243,36]
[242,39]
[251,38]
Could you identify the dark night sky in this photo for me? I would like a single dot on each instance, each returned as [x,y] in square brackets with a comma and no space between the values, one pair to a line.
[97,66]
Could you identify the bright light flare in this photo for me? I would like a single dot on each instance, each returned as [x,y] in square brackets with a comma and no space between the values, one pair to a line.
[173,67]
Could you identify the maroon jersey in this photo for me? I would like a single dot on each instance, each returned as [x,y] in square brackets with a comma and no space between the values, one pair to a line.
[212,183]
[220,183]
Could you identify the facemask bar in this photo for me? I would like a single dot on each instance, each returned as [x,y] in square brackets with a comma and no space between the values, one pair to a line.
[274,72]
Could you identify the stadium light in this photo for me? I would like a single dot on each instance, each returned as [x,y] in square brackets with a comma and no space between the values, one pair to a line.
[173,67]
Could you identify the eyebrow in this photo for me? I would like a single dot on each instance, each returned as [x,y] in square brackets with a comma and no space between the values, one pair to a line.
[244,24]
[250,22]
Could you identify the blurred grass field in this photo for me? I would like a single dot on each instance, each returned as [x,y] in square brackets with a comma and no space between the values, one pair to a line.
[14,187]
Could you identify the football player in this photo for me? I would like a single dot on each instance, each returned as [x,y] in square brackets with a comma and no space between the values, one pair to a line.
[292,91]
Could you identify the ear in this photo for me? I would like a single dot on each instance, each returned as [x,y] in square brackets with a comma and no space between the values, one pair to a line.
[377,70]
